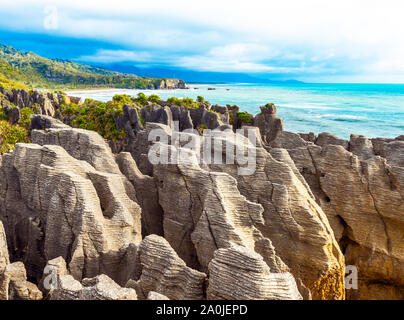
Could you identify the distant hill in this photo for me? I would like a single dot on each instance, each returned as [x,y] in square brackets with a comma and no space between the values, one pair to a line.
[192,76]
[36,71]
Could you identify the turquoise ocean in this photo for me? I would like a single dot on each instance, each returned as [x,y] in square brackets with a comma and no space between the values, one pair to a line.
[373,110]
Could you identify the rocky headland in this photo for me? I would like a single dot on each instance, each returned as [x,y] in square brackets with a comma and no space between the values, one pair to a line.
[85,214]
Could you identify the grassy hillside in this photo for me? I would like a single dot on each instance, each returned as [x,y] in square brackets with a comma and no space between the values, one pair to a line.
[36,71]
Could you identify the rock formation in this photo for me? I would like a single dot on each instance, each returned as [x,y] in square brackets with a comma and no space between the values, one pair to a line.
[13,277]
[199,204]
[4,261]
[162,271]
[100,287]
[360,187]
[237,273]
[41,103]
[146,193]
[311,205]
[54,205]
[172,84]
[268,123]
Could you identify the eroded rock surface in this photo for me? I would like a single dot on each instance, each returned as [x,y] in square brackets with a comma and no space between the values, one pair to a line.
[13,277]
[269,212]
[54,205]
[362,194]
[162,271]
[268,123]
[4,261]
[237,273]
[100,287]
[146,193]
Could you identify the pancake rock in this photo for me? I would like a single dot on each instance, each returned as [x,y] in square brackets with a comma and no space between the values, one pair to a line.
[15,285]
[147,195]
[237,273]
[13,277]
[4,261]
[271,212]
[361,191]
[81,144]
[42,103]
[54,205]
[268,123]
[163,272]
[92,148]
[101,287]
[292,220]
[204,211]
[172,84]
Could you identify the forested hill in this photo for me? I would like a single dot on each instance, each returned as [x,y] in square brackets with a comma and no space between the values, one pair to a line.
[33,70]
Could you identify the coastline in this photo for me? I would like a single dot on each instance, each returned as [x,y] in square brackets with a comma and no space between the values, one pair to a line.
[301,169]
[369,110]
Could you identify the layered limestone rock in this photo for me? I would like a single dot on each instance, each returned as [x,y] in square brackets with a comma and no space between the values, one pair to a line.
[98,288]
[15,284]
[158,114]
[146,192]
[44,103]
[268,123]
[270,211]
[325,138]
[182,116]
[163,272]
[172,84]
[41,122]
[204,211]
[62,286]
[362,195]
[292,218]
[129,121]
[203,116]
[54,205]
[81,144]
[13,277]
[4,261]
[237,273]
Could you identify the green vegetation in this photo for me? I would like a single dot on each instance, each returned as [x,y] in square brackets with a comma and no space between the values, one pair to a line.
[184,102]
[10,84]
[33,70]
[25,120]
[154,98]
[202,127]
[123,99]
[141,99]
[3,115]
[97,116]
[142,121]
[10,134]
[245,117]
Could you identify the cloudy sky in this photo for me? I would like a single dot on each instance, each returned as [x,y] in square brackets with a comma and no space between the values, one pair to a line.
[308,40]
